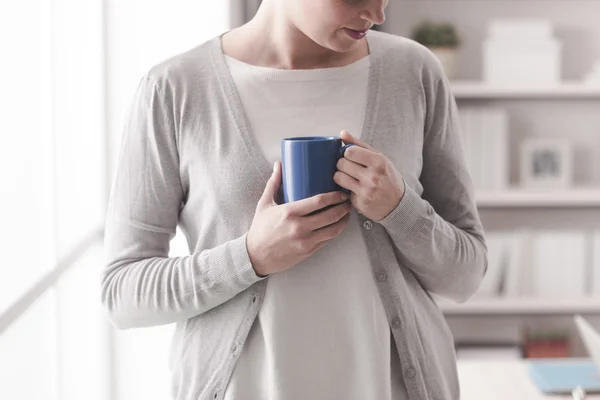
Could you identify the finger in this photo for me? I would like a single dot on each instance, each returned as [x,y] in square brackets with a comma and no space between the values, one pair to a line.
[329,232]
[346,181]
[306,206]
[328,217]
[270,193]
[355,170]
[347,137]
[361,156]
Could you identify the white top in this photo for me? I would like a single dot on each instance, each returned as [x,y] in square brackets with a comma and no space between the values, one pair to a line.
[303,345]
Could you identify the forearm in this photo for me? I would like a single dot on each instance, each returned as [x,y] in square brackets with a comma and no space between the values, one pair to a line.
[161,290]
[448,260]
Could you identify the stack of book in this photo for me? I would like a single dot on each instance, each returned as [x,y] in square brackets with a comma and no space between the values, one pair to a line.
[521,51]
[485,138]
[547,344]
[542,264]
[575,376]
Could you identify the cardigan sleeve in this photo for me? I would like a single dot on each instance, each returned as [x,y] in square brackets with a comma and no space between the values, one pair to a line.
[141,285]
[439,234]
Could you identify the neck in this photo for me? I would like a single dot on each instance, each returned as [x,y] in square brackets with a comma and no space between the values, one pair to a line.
[270,40]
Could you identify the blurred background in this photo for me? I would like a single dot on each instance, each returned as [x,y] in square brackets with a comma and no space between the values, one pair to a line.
[526,78]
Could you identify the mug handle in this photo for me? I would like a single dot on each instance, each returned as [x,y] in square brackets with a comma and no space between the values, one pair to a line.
[340,155]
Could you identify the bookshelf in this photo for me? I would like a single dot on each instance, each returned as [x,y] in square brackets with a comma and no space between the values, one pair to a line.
[567,109]
[472,89]
[525,306]
[517,198]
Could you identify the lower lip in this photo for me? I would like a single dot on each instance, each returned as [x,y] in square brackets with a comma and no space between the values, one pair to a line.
[356,35]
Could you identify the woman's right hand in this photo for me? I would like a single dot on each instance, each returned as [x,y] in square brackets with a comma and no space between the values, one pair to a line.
[282,236]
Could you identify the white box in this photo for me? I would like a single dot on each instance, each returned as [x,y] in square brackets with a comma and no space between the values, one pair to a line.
[520,28]
[531,64]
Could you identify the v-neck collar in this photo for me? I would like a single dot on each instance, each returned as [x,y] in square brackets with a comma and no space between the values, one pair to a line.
[240,119]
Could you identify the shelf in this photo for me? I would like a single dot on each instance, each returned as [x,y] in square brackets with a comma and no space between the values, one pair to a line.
[482,90]
[574,197]
[521,307]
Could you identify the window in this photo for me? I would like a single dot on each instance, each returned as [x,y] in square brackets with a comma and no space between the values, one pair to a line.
[70,70]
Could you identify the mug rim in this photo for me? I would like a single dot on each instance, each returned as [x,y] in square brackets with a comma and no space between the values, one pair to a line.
[309,138]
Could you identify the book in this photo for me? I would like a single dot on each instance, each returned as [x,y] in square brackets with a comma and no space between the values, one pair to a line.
[559,263]
[497,152]
[517,279]
[561,376]
[485,133]
[595,263]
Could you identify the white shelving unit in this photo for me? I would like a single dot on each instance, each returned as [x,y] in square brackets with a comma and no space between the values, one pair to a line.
[564,90]
[534,199]
[568,108]
[517,198]
[521,307]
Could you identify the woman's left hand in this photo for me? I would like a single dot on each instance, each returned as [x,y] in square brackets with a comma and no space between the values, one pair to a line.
[377,187]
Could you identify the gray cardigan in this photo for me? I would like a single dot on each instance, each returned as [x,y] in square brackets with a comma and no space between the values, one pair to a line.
[189,157]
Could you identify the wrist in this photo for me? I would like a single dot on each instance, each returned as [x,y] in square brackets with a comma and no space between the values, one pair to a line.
[259,269]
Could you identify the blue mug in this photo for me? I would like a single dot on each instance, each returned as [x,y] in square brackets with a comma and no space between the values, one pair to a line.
[309,164]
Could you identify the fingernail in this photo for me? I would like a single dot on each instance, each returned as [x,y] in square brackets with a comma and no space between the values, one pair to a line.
[344,196]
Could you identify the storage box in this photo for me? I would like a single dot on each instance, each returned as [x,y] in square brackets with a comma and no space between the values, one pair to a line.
[531,63]
[518,29]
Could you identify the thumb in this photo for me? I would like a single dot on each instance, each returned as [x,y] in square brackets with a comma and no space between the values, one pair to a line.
[272,188]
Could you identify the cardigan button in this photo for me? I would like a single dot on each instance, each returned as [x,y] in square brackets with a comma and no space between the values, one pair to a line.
[368,225]
[382,276]
[396,323]
[410,373]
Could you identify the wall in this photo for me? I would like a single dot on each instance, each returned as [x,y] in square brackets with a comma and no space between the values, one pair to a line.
[576,20]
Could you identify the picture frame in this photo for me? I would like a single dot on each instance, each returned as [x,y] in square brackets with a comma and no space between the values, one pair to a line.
[546,163]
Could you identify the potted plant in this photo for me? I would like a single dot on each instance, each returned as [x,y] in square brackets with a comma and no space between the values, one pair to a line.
[442,39]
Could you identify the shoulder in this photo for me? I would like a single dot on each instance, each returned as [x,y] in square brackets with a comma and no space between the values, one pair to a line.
[406,56]
[181,72]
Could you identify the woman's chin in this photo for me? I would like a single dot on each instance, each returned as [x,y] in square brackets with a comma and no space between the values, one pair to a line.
[344,44]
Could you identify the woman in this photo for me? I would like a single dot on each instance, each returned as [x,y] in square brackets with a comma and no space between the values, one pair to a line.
[275,302]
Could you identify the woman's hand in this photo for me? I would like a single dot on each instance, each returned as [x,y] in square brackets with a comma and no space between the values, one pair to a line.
[282,236]
[377,187]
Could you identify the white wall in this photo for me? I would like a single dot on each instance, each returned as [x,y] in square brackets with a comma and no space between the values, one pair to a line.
[141,34]
[576,21]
